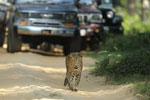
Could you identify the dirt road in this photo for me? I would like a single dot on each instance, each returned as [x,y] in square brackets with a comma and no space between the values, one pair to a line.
[29,76]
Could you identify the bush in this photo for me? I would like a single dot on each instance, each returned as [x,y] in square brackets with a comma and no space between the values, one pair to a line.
[127,43]
[143,88]
[127,58]
[126,55]
[134,25]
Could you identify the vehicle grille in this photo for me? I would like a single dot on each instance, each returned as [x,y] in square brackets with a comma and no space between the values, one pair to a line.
[57,16]
[83,18]
[46,16]
[46,24]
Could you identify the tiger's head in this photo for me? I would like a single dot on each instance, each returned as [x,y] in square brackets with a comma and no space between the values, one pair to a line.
[76,59]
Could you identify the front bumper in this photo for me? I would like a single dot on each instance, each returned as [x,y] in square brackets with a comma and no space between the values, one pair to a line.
[88,30]
[118,29]
[50,31]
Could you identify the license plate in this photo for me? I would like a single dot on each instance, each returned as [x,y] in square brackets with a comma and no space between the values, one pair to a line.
[47,32]
[106,28]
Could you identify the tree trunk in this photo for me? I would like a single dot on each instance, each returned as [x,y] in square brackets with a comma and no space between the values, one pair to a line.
[145,9]
[131,7]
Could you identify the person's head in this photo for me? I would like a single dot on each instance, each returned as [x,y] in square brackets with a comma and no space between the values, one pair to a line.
[77,3]
[98,2]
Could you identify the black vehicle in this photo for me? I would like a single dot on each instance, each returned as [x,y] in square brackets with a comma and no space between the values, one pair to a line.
[3,21]
[90,19]
[44,21]
[111,22]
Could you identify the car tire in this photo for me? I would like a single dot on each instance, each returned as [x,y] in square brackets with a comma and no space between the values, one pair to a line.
[66,49]
[84,43]
[94,44]
[33,46]
[14,42]
[45,46]
[2,37]
[74,44]
[95,40]
[122,31]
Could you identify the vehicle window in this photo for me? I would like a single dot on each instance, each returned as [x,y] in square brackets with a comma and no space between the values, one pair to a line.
[86,2]
[2,7]
[44,1]
[2,15]
[106,1]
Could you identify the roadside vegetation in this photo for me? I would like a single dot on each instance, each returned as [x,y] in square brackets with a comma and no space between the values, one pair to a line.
[126,59]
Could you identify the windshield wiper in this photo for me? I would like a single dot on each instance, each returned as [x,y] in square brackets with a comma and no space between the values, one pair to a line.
[26,3]
[64,2]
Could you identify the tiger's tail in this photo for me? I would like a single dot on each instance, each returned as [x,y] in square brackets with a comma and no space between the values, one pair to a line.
[65,81]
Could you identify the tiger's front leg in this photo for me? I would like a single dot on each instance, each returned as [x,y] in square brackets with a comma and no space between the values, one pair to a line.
[70,81]
[77,80]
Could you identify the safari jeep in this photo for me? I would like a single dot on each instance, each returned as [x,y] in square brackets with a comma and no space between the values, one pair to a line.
[38,21]
[111,22]
[90,19]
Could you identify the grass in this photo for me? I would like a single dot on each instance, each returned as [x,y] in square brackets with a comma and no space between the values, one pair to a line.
[124,60]
[55,94]
[143,88]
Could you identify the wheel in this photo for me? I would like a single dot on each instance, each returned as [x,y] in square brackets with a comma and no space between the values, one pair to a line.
[33,45]
[122,30]
[73,44]
[14,42]
[94,44]
[66,49]
[84,43]
[2,37]
[95,40]
[45,46]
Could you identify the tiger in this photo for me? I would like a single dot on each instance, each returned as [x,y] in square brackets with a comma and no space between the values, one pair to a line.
[74,65]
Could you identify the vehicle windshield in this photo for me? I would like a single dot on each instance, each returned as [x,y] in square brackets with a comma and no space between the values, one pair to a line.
[43,1]
[86,2]
[107,3]
[2,7]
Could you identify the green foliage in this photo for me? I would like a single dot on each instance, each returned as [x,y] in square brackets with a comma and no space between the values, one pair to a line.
[126,59]
[143,88]
[134,25]
[127,43]
[126,55]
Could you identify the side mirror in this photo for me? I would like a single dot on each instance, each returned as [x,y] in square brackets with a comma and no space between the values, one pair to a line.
[98,2]
[11,1]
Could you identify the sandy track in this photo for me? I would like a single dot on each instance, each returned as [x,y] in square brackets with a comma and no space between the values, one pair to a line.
[29,76]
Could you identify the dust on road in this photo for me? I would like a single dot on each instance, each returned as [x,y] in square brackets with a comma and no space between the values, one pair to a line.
[29,76]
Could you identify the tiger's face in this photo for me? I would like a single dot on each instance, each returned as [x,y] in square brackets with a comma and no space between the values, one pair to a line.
[76,59]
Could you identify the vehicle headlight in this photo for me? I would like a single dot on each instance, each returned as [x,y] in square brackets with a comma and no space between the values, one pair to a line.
[96,18]
[70,17]
[82,32]
[22,15]
[110,14]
